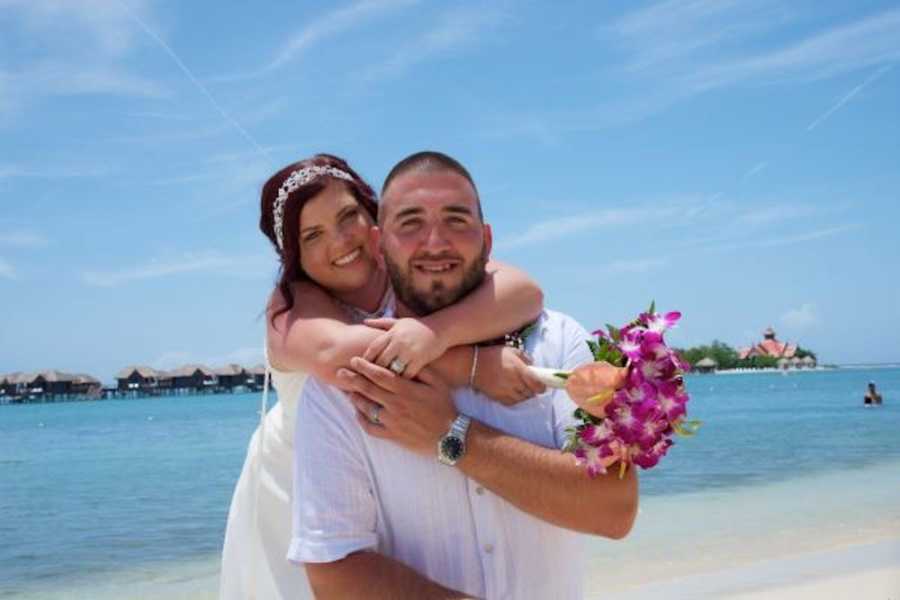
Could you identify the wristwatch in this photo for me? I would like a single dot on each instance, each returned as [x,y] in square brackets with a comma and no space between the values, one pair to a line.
[452,446]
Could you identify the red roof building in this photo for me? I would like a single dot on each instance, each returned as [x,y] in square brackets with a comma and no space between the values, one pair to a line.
[770,346]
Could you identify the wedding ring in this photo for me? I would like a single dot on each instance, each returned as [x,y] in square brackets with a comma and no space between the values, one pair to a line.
[397,366]
[373,416]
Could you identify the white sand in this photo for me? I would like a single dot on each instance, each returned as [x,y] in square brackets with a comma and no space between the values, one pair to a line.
[858,572]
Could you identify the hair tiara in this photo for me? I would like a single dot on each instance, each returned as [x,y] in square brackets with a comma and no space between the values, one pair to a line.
[293,182]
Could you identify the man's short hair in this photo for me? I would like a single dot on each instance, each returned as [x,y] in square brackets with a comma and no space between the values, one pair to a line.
[425,161]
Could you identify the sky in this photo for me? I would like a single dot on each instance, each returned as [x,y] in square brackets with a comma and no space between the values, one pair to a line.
[736,160]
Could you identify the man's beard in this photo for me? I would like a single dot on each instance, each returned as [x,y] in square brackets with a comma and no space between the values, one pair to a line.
[426,302]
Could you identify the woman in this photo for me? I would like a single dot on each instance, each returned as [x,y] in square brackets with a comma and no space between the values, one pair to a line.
[325,309]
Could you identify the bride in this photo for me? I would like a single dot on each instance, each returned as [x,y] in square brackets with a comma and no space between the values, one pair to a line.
[327,307]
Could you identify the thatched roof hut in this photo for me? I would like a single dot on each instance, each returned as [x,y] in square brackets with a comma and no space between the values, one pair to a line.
[706,365]
[193,377]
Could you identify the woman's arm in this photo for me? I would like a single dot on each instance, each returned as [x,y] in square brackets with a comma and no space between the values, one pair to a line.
[506,300]
[316,335]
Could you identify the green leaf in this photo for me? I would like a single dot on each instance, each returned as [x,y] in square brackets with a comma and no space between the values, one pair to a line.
[652,310]
[614,332]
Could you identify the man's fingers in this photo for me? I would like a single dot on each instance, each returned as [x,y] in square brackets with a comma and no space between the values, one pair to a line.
[377,347]
[371,428]
[382,323]
[526,358]
[366,406]
[388,353]
[362,385]
[535,385]
[380,376]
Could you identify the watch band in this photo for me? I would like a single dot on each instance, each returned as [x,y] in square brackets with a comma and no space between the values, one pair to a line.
[460,427]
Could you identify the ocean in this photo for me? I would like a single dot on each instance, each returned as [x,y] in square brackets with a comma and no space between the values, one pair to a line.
[128,498]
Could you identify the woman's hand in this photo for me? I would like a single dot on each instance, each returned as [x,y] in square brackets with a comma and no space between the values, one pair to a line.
[502,375]
[410,341]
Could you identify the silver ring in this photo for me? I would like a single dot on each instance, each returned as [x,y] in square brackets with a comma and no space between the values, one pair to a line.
[397,366]
[373,416]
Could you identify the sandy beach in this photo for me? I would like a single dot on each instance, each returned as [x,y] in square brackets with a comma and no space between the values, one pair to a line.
[858,572]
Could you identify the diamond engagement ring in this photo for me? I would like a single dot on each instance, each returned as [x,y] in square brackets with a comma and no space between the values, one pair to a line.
[397,366]
[373,416]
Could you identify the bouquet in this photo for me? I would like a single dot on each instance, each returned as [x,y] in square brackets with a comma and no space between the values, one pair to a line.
[631,400]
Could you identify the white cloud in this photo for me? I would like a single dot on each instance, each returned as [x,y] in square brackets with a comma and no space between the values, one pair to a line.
[6,270]
[22,239]
[779,213]
[800,318]
[82,47]
[207,262]
[455,29]
[553,229]
[870,41]
[808,236]
[669,33]
[320,29]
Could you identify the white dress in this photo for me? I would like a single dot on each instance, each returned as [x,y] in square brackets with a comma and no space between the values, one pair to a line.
[258,533]
[257,536]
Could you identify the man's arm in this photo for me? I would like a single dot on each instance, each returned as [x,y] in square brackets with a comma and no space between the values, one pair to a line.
[549,485]
[541,481]
[374,577]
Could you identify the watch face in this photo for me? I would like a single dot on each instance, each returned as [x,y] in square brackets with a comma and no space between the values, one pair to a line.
[452,447]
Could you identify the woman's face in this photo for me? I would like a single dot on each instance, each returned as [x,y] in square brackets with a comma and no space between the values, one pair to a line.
[335,249]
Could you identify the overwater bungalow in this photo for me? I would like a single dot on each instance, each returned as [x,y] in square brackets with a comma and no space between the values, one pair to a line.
[258,373]
[194,378]
[232,376]
[138,378]
[50,384]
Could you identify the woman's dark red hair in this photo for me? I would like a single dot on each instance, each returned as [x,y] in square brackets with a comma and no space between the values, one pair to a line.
[290,270]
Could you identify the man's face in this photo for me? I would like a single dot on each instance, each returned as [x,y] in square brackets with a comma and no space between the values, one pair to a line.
[434,243]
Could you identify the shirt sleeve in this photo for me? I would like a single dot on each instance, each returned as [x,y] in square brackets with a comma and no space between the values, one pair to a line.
[334,509]
[574,352]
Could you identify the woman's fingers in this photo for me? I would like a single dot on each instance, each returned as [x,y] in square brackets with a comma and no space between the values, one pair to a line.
[377,347]
[382,323]
[388,354]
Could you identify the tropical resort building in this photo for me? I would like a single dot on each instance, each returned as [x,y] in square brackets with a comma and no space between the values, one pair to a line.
[134,380]
[706,365]
[48,385]
[785,352]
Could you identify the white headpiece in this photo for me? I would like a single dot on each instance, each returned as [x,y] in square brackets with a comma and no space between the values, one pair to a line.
[294,181]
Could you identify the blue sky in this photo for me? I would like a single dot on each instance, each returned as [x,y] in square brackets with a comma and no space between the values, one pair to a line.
[735,160]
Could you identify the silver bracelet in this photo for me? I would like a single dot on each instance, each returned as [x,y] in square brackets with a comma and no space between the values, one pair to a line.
[474,368]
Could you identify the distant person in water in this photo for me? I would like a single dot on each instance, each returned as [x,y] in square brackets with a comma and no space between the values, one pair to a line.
[872,396]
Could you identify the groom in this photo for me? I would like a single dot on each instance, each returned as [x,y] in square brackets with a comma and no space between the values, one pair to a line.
[438,493]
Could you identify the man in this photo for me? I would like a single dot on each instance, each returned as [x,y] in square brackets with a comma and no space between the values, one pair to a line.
[406,490]
[872,396]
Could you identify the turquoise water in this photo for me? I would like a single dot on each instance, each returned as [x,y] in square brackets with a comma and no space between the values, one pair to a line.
[101,487]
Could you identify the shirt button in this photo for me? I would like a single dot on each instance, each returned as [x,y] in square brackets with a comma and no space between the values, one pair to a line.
[479,490]
[488,548]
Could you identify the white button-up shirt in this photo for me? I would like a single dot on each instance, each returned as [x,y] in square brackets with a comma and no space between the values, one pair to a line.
[354,492]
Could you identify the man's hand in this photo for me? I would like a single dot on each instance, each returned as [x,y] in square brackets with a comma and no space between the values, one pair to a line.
[503,375]
[414,414]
